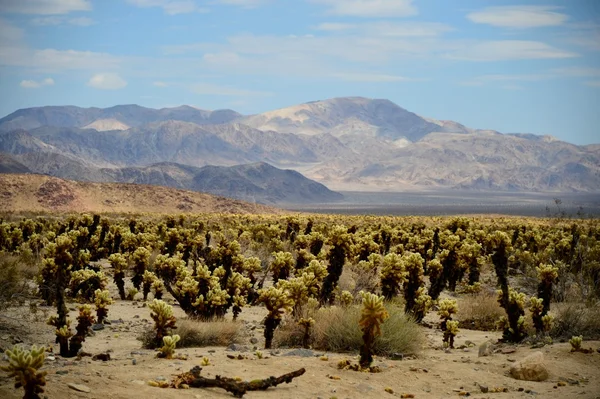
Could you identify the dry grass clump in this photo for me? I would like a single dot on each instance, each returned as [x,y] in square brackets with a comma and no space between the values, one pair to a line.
[479,311]
[574,319]
[195,334]
[336,329]
[15,280]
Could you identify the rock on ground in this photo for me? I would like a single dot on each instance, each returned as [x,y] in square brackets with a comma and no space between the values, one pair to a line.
[531,368]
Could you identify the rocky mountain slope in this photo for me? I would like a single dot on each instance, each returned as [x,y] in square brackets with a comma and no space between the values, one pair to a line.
[37,193]
[348,143]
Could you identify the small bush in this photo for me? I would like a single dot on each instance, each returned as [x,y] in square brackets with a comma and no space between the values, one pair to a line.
[479,311]
[572,319]
[195,334]
[15,281]
[336,329]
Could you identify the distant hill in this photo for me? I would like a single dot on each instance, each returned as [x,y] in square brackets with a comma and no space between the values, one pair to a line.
[38,193]
[349,143]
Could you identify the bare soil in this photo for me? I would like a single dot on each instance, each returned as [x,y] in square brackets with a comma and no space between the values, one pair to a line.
[432,374]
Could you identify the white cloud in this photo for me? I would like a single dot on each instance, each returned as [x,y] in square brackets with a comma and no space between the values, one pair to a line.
[593,83]
[107,81]
[33,84]
[243,3]
[370,77]
[389,29]
[171,7]
[160,84]
[506,50]
[59,20]
[216,90]
[519,16]
[335,26]
[81,21]
[505,79]
[9,33]
[369,8]
[45,7]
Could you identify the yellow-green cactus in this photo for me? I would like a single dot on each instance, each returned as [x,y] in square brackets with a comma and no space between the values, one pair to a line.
[169,343]
[307,323]
[393,274]
[346,298]
[450,332]
[102,299]
[164,321]
[23,366]
[446,308]
[576,342]
[277,303]
[373,314]
[119,264]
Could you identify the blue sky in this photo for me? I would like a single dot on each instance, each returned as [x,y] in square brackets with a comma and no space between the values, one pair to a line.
[512,66]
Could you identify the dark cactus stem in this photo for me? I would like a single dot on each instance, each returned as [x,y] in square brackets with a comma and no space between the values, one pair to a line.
[146,290]
[337,257]
[309,227]
[120,282]
[366,350]
[315,246]
[474,272]
[270,326]
[389,287]
[306,337]
[451,272]
[500,261]
[437,285]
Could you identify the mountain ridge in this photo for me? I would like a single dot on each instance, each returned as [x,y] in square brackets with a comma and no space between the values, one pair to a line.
[348,143]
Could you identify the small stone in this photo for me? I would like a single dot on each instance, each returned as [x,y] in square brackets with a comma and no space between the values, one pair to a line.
[469,343]
[485,349]
[160,378]
[300,352]
[97,327]
[137,316]
[397,356]
[237,348]
[253,340]
[79,387]
[211,351]
[508,350]
[134,361]
[62,372]
[484,388]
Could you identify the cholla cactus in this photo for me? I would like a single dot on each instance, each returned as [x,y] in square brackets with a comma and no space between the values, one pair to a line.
[141,260]
[168,349]
[373,314]
[547,275]
[417,301]
[277,303]
[85,282]
[282,265]
[450,332]
[119,264]
[346,298]
[148,279]
[447,308]
[513,326]
[307,323]
[131,293]
[102,299]
[85,319]
[158,289]
[164,321]
[24,365]
[393,275]
[435,270]
[340,241]
[576,342]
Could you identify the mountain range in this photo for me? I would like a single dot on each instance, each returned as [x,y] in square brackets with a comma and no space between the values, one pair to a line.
[350,143]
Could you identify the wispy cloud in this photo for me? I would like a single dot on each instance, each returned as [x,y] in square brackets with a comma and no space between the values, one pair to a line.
[243,3]
[593,83]
[388,29]
[35,84]
[160,84]
[370,77]
[60,20]
[107,81]
[520,17]
[369,8]
[228,91]
[45,7]
[505,79]
[506,50]
[170,7]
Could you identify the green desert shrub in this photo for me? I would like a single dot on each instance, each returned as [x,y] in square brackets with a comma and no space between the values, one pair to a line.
[336,329]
